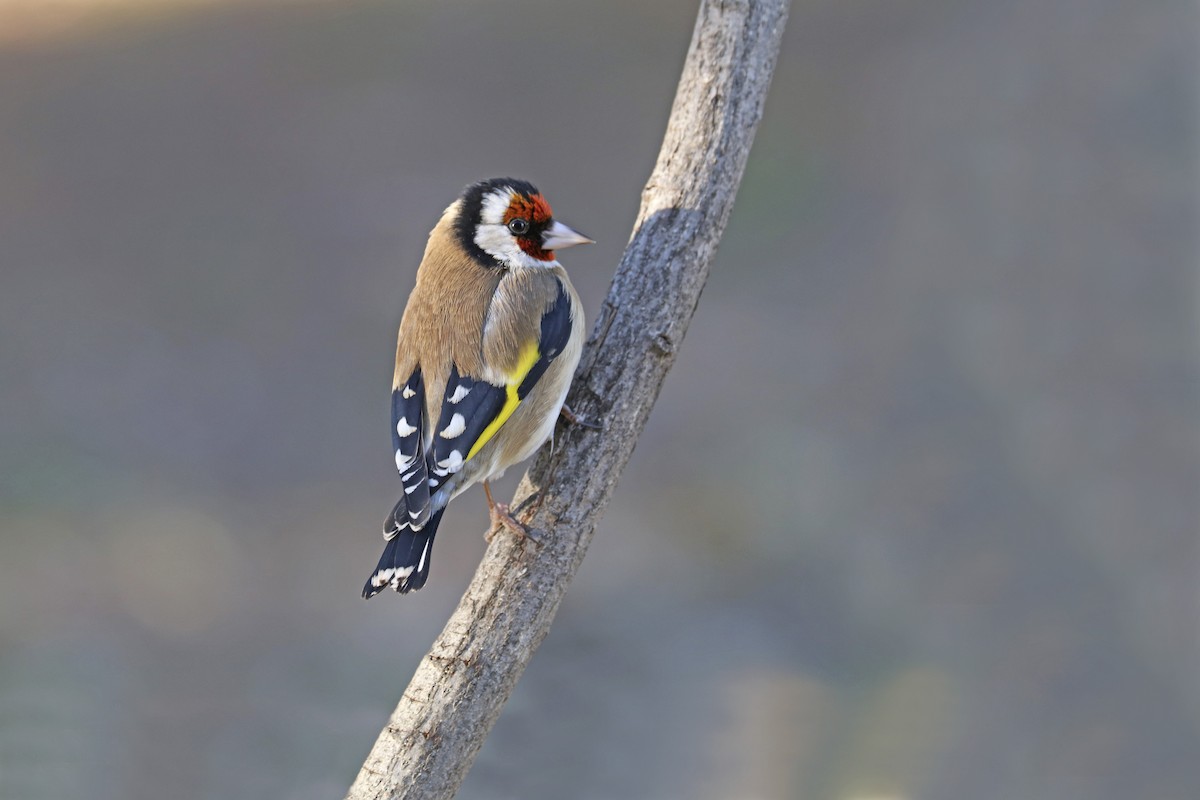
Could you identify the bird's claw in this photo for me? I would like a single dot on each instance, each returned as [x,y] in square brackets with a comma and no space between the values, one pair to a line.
[502,518]
[571,417]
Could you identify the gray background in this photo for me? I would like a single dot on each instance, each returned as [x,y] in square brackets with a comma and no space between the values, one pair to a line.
[914,518]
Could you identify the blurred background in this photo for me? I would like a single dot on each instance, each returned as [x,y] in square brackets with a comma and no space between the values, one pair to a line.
[948,356]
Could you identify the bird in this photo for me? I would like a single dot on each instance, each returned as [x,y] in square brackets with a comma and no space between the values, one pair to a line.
[488,343]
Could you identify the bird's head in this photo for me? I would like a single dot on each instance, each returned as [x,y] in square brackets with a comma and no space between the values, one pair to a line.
[507,222]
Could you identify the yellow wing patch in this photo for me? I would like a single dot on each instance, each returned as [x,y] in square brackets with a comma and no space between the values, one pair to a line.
[512,382]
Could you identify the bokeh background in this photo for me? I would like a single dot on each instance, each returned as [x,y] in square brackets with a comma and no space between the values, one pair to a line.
[916,516]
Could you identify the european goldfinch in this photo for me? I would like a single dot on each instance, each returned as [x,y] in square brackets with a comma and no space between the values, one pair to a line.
[488,344]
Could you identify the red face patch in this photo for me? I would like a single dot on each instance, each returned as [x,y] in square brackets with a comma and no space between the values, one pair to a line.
[537,212]
[535,209]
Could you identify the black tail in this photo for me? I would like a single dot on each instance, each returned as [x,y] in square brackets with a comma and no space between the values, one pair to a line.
[404,565]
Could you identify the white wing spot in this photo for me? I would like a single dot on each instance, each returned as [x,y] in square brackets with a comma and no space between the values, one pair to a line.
[424,555]
[452,462]
[408,393]
[403,428]
[403,462]
[460,392]
[457,425]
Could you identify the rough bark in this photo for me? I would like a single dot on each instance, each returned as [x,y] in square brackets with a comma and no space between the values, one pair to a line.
[460,686]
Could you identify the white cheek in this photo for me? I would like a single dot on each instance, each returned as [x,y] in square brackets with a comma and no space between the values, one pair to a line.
[496,241]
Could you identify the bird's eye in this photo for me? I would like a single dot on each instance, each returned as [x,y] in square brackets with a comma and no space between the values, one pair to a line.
[519,226]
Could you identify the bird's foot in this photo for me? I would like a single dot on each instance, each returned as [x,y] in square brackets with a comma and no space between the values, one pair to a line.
[501,517]
[571,417]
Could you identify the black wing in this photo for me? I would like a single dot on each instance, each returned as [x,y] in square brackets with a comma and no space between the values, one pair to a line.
[408,426]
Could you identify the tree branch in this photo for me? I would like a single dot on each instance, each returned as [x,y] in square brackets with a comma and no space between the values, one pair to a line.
[460,686]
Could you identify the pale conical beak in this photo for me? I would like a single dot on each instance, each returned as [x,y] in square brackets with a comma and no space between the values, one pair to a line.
[560,237]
